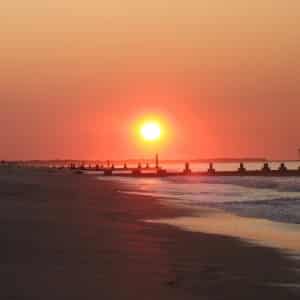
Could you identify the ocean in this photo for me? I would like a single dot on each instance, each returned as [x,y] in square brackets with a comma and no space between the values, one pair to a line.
[267,208]
[273,198]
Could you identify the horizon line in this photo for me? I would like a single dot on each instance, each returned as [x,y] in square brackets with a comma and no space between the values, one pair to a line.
[149,160]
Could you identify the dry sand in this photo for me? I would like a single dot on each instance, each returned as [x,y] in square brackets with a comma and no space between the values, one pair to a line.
[67,236]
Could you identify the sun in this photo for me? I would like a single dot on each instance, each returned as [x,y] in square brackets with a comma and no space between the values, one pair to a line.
[150,131]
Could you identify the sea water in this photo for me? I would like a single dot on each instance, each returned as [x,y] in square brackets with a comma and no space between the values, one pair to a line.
[272,198]
[265,209]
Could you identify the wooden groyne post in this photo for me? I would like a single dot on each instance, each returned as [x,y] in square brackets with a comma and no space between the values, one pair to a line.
[211,170]
[187,170]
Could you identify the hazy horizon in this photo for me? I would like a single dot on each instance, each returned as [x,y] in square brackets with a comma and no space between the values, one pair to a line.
[223,77]
[163,160]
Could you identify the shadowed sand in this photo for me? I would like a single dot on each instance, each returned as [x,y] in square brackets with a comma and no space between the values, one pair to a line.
[67,236]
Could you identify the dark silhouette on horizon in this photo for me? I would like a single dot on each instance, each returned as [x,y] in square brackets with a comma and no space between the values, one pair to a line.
[266,168]
[242,168]
[211,169]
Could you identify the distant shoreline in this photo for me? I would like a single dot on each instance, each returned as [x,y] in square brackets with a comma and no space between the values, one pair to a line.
[150,160]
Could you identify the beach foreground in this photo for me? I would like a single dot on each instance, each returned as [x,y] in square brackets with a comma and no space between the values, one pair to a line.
[70,236]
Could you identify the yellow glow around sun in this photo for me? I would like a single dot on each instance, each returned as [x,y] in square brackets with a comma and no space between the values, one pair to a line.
[150,131]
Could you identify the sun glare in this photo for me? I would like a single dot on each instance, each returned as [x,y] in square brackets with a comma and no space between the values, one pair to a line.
[150,131]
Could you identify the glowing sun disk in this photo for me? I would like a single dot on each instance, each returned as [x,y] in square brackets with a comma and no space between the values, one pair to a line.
[150,131]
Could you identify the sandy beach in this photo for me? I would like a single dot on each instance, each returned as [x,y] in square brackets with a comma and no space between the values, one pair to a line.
[71,236]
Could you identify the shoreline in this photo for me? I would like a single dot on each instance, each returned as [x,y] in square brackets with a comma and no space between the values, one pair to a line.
[268,233]
[216,220]
[69,235]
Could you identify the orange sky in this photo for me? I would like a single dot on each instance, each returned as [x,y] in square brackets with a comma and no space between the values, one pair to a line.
[75,75]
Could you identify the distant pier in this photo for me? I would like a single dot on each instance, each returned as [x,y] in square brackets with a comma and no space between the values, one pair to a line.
[154,169]
[157,171]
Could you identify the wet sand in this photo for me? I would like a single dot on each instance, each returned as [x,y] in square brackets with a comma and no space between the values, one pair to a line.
[284,236]
[69,236]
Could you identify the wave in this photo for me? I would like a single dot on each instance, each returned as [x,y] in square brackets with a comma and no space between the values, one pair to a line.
[276,199]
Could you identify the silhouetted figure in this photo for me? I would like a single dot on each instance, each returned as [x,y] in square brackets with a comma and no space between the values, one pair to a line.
[139,166]
[125,166]
[211,169]
[282,168]
[266,168]
[187,169]
[97,167]
[112,166]
[242,168]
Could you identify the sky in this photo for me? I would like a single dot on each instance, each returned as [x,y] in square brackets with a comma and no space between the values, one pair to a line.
[223,78]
